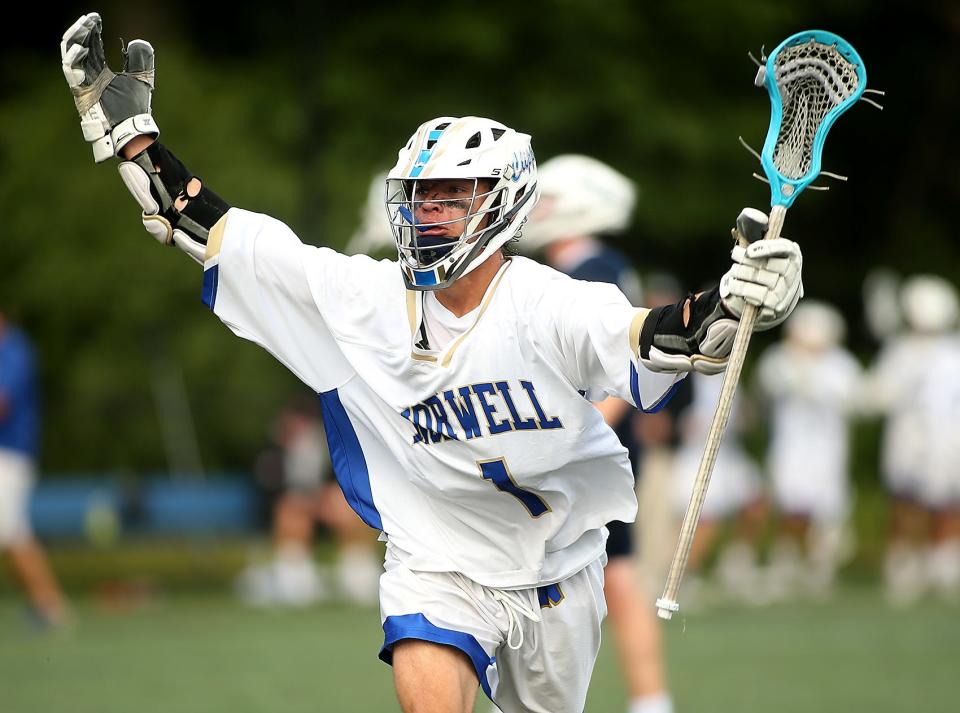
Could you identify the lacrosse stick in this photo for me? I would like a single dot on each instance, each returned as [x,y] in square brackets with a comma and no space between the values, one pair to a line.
[812,78]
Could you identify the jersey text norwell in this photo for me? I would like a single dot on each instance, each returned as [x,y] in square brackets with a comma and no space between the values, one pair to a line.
[483,409]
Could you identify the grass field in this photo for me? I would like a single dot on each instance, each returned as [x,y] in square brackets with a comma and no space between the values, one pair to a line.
[186,653]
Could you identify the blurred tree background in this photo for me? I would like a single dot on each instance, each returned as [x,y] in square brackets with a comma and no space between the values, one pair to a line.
[290,110]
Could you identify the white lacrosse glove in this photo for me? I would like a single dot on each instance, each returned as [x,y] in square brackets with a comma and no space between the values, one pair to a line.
[177,209]
[113,108]
[697,333]
[766,274]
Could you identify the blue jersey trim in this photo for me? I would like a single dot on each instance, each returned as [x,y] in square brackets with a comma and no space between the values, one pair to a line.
[348,462]
[417,626]
[211,280]
[635,392]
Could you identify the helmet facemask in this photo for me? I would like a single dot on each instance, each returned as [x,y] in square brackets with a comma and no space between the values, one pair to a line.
[447,244]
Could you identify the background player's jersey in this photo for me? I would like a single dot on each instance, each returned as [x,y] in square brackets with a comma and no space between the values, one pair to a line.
[481,458]
[938,402]
[19,418]
[812,396]
[894,387]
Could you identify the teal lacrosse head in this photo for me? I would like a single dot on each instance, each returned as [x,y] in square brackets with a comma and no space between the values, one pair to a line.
[812,77]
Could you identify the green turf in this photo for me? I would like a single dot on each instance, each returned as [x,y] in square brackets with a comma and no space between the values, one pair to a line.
[210,654]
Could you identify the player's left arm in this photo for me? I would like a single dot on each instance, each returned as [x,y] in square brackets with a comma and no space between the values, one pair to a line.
[697,333]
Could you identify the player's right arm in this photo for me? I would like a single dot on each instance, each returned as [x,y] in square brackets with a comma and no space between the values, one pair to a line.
[600,334]
[116,119]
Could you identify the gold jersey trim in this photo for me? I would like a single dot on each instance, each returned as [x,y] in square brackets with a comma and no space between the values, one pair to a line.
[215,238]
[635,326]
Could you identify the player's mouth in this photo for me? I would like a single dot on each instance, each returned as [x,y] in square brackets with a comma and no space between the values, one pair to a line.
[435,230]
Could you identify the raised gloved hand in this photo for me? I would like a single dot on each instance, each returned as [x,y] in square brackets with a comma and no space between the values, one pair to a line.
[113,108]
[697,333]
[765,273]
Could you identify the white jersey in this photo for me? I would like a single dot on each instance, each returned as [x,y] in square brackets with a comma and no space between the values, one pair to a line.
[483,457]
[938,402]
[812,396]
[893,388]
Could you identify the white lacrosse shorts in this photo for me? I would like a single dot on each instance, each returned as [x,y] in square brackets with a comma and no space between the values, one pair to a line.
[16,482]
[522,664]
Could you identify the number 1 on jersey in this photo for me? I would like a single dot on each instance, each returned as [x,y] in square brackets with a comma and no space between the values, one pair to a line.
[497,473]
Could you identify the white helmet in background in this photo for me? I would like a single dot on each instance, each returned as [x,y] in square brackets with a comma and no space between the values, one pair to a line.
[469,148]
[815,325]
[579,196]
[929,304]
[373,234]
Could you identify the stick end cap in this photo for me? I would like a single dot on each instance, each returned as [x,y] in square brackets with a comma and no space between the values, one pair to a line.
[666,608]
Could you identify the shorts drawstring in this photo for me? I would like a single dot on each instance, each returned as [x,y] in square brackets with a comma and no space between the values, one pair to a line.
[516,608]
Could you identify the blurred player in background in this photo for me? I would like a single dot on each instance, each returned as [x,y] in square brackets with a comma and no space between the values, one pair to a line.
[296,476]
[582,199]
[915,384]
[19,441]
[451,383]
[811,383]
[735,497]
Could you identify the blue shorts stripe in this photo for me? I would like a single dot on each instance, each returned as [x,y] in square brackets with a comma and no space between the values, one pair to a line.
[417,626]
[348,462]
[549,596]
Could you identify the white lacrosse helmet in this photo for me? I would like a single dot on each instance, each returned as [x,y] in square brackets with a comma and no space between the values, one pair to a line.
[468,148]
[815,325]
[579,196]
[929,304]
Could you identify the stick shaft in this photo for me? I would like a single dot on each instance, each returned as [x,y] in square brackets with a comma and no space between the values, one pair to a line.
[667,604]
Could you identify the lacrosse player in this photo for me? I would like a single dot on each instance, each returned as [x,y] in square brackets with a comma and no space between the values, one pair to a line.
[811,383]
[19,440]
[451,383]
[580,200]
[919,450]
